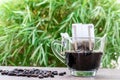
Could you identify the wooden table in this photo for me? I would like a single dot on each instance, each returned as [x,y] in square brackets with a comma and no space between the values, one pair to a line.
[102,74]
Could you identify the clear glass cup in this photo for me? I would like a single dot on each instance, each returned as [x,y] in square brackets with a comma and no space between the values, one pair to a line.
[81,55]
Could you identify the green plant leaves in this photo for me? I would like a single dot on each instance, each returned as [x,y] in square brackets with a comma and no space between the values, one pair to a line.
[28,27]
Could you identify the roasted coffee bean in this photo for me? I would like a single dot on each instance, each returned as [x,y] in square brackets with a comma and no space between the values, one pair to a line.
[49,72]
[55,73]
[20,74]
[34,75]
[5,72]
[11,73]
[25,75]
[28,75]
[36,69]
[31,72]
[45,71]
[40,76]
[1,70]
[52,75]
[15,71]
[26,72]
[62,73]
[40,72]
[36,72]
[46,75]
[21,70]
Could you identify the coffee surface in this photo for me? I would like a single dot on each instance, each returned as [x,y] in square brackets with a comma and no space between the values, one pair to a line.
[81,61]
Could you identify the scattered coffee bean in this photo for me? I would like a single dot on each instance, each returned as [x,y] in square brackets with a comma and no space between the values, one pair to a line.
[62,73]
[45,75]
[40,76]
[5,72]
[31,73]
[20,74]
[28,75]
[52,75]
[34,75]
[0,70]
[55,73]
[41,71]
[20,70]
[11,73]
[37,72]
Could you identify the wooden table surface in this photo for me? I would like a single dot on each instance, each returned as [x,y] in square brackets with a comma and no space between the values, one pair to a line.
[102,74]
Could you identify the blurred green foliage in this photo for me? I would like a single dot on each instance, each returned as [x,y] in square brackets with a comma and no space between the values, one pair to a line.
[27,28]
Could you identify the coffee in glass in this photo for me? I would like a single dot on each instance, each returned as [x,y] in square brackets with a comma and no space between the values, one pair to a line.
[80,58]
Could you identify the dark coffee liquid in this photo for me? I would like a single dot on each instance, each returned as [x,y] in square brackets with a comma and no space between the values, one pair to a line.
[81,61]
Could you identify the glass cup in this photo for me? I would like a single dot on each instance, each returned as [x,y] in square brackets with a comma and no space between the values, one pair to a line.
[81,55]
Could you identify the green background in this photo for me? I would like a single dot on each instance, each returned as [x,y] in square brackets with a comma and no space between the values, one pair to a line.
[27,28]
